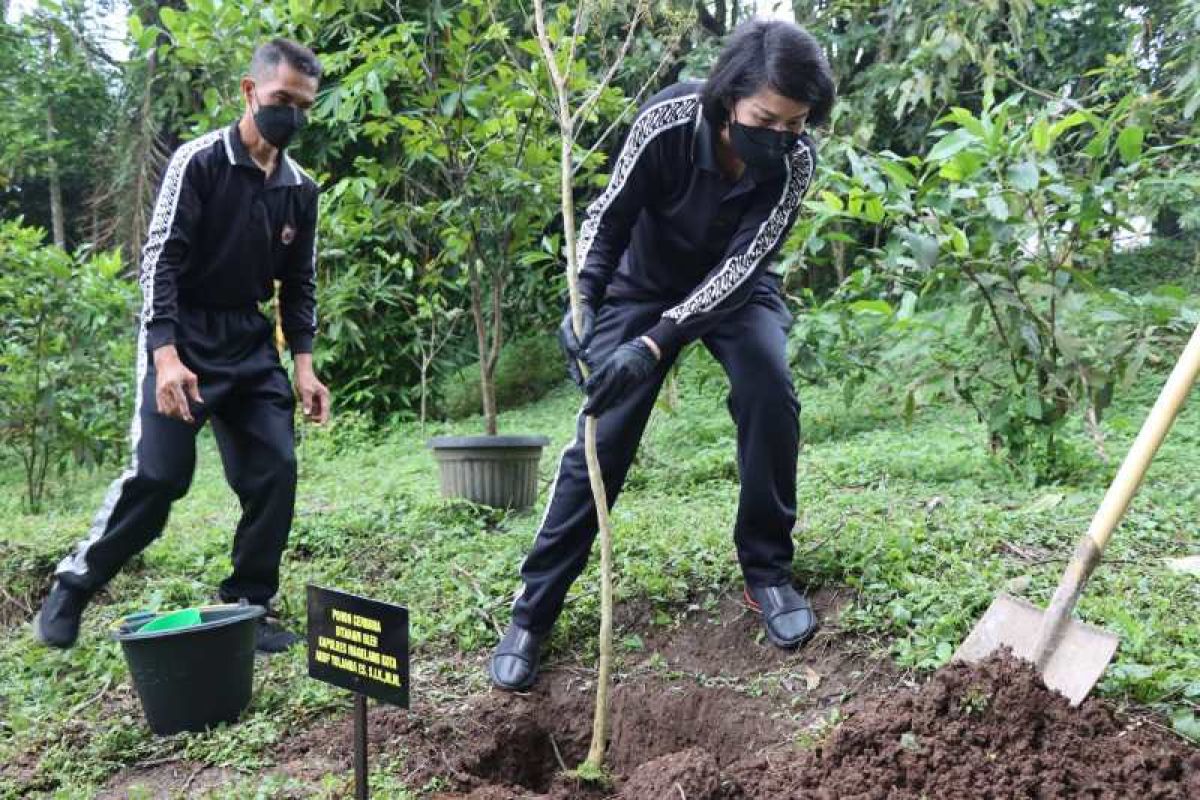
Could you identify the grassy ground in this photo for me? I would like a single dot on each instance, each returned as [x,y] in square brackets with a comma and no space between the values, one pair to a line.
[917,519]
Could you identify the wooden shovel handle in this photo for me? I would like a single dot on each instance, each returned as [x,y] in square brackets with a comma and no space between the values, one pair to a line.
[1154,429]
[1116,500]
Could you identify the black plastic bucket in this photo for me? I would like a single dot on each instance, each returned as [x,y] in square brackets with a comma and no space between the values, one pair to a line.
[196,677]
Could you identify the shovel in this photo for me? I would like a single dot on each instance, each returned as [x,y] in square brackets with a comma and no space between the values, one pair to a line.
[1070,655]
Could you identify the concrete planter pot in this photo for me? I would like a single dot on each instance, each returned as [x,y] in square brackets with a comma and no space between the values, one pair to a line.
[496,471]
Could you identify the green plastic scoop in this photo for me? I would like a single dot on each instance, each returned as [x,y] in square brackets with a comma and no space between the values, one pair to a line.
[184,618]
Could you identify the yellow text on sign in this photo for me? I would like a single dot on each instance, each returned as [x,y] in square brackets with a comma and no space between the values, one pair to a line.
[353,648]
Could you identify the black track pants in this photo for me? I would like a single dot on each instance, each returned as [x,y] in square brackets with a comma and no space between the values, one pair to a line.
[249,399]
[751,345]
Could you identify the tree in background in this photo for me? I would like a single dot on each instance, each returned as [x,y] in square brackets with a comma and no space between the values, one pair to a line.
[575,95]
[57,119]
[989,155]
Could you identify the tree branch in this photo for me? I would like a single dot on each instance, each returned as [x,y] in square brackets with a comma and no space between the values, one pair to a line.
[586,106]
[987,298]
[637,98]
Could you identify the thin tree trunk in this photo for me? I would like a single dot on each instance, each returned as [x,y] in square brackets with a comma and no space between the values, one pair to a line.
[150,140]
[839,256]
[593,767]
[57,223]
[481,338]
[145,174]
[425,361]
[488,388]
[493,358]
[595,757]
[672,389]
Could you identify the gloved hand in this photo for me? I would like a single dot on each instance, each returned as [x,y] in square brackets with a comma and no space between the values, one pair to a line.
[628,366]
[575,348]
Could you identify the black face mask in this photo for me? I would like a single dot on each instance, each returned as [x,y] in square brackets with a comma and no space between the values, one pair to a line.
[762,149]
[278,124]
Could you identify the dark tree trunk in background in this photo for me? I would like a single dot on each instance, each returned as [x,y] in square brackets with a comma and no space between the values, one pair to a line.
[720,17]
[714,21]
[147,167]
[1166,224]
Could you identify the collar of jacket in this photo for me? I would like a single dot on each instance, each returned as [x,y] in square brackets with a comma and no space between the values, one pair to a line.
[704,152]
[235,149]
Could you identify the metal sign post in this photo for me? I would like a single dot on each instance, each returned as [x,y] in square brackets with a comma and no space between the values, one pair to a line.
[361,790]
[361,645]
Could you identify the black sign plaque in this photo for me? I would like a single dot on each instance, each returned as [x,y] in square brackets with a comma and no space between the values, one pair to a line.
[358,644]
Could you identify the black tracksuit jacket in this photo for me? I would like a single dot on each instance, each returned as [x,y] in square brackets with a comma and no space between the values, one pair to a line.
[669,227]
[200,254]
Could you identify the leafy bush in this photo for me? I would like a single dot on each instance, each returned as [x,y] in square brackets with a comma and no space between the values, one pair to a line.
[528,368]
[1011,214]
[851,335]
[66,344]
[1020,213]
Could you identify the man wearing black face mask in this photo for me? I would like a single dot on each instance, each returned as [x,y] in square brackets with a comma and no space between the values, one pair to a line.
[677,249]
[234,215]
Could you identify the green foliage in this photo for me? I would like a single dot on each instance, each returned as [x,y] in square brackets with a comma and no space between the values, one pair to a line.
[1019,211]
[527,370]
[850,336]
[1013,209]
[481,139]
[65,347]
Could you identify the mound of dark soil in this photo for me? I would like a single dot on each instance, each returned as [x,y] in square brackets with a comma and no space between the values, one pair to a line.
[691,773]
[991,730]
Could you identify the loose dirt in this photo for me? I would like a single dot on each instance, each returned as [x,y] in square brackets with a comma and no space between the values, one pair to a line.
[988,731]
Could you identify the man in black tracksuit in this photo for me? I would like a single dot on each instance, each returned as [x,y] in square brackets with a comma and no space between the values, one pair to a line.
[234,215]
[678,249]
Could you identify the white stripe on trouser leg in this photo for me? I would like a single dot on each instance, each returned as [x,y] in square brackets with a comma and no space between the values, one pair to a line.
[549,501]
[77,562]
[160,230]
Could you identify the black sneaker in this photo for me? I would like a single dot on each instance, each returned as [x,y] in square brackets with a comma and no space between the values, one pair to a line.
[271,637]
[57,623]
[269,634]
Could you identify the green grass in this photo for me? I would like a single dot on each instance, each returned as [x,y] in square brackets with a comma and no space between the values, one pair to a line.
[917,519]
[1171,262]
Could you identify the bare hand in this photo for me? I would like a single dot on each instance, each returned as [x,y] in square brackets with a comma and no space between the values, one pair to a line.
[174,385]
[314,397]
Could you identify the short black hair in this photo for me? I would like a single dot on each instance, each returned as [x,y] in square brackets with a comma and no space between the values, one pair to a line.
[772,53]
[268,55]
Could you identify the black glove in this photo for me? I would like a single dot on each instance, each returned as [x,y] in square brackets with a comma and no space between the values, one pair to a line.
[631,364]
[575,348]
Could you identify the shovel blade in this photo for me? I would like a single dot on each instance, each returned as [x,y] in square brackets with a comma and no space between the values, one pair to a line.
[1073,667]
